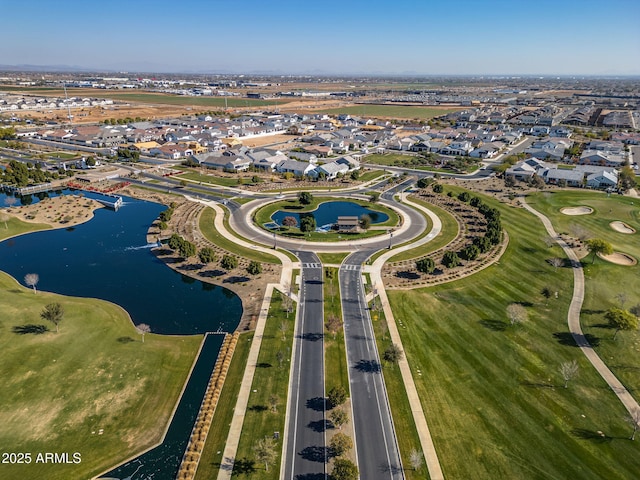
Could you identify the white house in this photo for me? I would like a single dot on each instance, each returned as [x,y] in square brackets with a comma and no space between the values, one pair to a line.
[332,169]
[299,169]
[606,179]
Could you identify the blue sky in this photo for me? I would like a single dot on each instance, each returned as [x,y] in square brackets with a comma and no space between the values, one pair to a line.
[426,37]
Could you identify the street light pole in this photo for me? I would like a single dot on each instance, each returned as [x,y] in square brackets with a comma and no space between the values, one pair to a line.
[390,237]
[275,241]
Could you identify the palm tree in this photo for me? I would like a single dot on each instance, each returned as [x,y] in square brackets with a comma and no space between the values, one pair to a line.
[142,329]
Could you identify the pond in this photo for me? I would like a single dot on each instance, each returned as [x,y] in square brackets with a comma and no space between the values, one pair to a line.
[327,213]
[109,258]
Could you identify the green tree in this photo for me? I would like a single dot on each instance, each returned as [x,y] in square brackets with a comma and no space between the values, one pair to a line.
[166,215]
[374,197]
[344,469]
[546,293]
[254,268]
[424,182]
[598,246]
[355,174]
[305,198]
[627,178]
[340,444]
[307,223]
[337,396]
[186,249]
[393,353]
[450,259]
[53,312]
[464,197]
[621,320]
[229,262]
[365,222]
[483,244]
[338,417]
[475,202]
[437,188]
[175,241]
[470,252]
[426,265]
[207,255]
[7,133]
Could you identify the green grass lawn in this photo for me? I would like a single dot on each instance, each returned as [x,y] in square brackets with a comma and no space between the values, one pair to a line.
[406,432]
[210,233]
[263,216]
[492,393]
[370,175]
[335,258]
[393,111]
[209,179]
[271,379]
[61,389]
[604,281]
[217,437]
[14,226]
[334,348]
[447,234]
[387,159]
[63,155]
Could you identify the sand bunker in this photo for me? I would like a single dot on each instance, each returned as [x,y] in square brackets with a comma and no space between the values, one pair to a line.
[619,258]
[576,210]
[622,227]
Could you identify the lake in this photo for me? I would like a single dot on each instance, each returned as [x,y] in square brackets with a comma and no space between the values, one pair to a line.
[109,258]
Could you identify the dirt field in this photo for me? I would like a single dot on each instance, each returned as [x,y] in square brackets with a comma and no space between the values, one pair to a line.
[59,212]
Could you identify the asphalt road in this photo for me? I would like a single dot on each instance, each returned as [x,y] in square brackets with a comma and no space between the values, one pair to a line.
[376,444]
[306,453]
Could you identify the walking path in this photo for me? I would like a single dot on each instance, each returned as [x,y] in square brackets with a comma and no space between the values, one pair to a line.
[573,318]
[426,442]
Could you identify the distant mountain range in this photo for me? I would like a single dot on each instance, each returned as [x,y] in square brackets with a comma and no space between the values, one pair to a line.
[45,68]
[150,68]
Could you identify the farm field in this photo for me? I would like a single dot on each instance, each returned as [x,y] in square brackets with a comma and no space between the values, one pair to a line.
[492,392]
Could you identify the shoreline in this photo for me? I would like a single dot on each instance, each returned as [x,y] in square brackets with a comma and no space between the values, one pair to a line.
[57,212]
